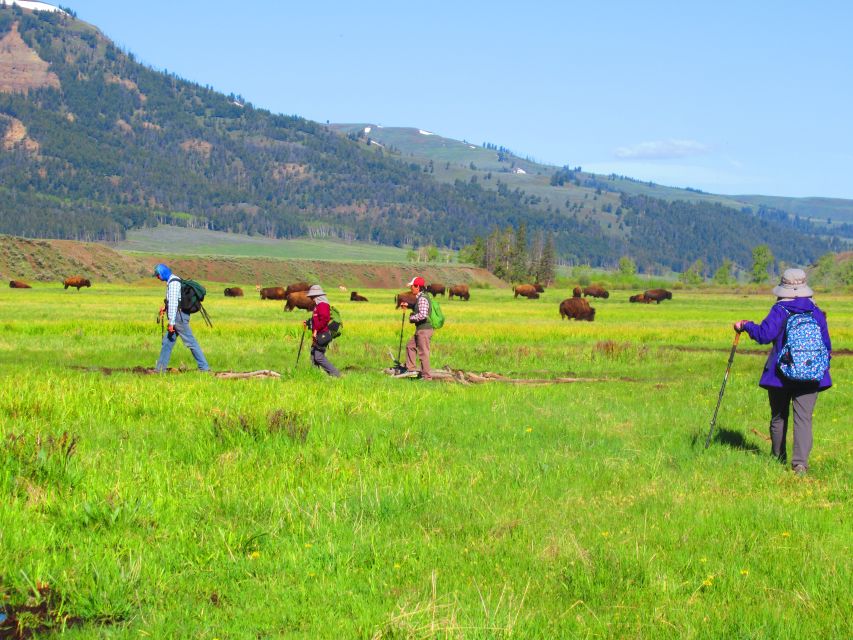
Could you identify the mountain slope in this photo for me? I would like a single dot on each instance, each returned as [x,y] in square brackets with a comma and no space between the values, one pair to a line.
[116,145]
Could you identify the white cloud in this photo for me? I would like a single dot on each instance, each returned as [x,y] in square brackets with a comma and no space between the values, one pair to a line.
[661,150]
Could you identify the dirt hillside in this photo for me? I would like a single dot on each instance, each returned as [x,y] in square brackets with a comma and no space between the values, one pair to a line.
[21,69]
[55,260]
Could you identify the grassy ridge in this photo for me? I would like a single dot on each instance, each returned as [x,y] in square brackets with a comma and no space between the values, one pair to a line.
[373,507]
[51,261]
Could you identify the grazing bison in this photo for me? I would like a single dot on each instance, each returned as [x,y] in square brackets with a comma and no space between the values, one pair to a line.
[296,287]
[658,294]
[577,292]
[233,292]
[533,296]
[596,291]
[526,290]
[460,291]
[539,287]
[436,288]
[299,300]
[17,284]
[577,308]
[77,281]
[273,293]
[639,298]
[408,297]
[354,297]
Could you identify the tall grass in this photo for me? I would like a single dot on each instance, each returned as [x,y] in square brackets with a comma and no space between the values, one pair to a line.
[191,506]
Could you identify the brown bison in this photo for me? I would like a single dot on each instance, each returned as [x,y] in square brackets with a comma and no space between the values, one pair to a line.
[436,288]
[77,281]
[639,298]
[296,287]
[233,292]
[596,291]
[17,284]
[577,292]
[539,288]
[406,296]
[526,290]
[577,308]
[460,291]
[273,293]
[299,300]
[354,297]
[658,294]
[533,296]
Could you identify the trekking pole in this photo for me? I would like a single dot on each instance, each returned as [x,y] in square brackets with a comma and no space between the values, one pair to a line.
[299,353]
[400,348]
[723,388]
[205,316]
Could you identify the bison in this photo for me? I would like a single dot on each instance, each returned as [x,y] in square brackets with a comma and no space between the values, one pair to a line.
[77,281]
[460,291]
[577,292]
[596,291]
[533,296]
[657,295]
[526,290]
[436,288]
[406,296]
[233,292]
[355,297]
[577,308]
[273,293]
[639,298]
[17,284]
[299,300]
[539,288]
[296,287]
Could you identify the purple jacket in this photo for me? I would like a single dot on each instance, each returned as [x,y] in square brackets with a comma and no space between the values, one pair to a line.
[772,329]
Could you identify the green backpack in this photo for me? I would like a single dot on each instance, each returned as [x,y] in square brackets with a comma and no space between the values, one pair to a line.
[336,325]
[192,295]
[436,315]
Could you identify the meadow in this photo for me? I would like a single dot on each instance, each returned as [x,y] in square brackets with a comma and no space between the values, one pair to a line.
[185,505]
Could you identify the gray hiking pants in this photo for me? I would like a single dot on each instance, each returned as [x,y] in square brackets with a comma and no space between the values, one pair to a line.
[318,357]
[780,406]
[419,345]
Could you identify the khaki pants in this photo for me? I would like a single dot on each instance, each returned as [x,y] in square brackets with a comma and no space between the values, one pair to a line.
[419,344]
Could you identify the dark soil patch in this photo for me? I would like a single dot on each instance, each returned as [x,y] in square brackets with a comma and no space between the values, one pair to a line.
[748,352]
[41,614]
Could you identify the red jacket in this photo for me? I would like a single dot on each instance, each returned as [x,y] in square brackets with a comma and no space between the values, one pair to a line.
[320,318]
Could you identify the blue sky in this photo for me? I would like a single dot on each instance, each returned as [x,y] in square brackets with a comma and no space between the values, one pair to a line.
[728,97]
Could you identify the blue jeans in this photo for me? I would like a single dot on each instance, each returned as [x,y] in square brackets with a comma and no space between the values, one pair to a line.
[182,327]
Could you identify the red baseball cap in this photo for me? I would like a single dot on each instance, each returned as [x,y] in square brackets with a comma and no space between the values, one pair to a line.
[417,281]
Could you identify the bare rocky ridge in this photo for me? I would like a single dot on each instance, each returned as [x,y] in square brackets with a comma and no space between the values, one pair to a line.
[21,69]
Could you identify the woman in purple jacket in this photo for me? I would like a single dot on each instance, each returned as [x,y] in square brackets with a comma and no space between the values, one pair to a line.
[793,296]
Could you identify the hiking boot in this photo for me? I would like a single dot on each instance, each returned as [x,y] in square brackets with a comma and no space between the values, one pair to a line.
[799,470]
[407,374]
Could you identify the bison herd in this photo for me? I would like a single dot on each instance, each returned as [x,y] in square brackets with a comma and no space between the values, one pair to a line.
[296,296]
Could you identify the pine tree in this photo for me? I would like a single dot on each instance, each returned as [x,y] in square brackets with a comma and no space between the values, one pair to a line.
[547,264]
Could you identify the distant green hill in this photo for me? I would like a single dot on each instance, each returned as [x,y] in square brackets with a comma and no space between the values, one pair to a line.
[535,178]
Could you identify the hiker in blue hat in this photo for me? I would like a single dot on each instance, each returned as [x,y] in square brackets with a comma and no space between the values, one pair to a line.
[178,322]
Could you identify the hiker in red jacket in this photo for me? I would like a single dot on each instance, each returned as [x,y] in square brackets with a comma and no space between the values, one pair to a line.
[320,334]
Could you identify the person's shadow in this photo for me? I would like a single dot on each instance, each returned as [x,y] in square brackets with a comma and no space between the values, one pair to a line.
[729,438]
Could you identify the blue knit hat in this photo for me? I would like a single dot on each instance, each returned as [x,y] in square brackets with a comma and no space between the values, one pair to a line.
[163,272]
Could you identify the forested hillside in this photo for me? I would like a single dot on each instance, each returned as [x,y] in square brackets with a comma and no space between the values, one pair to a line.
[97,143]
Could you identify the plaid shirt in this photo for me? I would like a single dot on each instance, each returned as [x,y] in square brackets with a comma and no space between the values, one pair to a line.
[423,310]
[173,298]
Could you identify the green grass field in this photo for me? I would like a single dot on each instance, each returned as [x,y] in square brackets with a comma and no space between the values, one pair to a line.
[185,505]
[167,239]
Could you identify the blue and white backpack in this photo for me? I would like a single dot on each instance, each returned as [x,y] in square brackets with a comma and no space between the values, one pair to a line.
[803,357]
